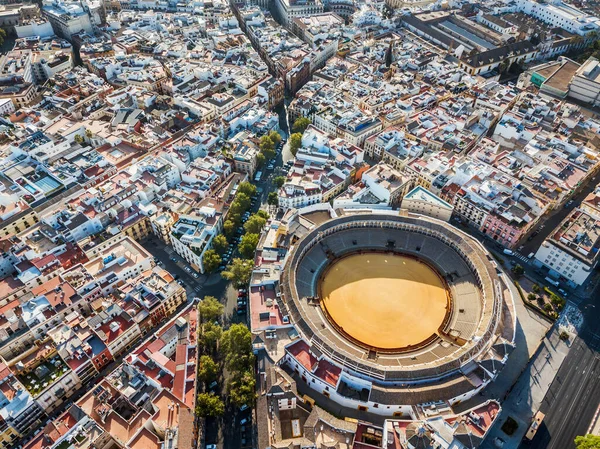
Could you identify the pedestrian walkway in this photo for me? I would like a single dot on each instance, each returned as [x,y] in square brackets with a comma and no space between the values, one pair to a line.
[521,257]
[526,396]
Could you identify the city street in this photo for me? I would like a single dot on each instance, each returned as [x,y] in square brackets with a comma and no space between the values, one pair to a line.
[226,432]
[554,220]
[574,395]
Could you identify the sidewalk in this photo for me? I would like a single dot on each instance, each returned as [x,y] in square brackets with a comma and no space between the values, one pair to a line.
[528,393]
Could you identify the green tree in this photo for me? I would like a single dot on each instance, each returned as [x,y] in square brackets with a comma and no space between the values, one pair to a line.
[279,181]
[247,245]
[210,334]
[241,389]
[208,369]
[208,405]
[263,214]
[241,203]
[266,144]
[275,137]
[531,297]
[236,345]
[255,224]
[239,272]
[211,260]
[518,270]
[587,442]
[269,154]
[295,142]
[300,125]
[260,160]
[210,309]
[220,244]
[78,139]
[247,189]
[273,199]
[89,134]
[2,35]
[536,288]
[229,228]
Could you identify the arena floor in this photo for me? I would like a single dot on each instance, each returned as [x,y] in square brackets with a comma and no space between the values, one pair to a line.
[384,301]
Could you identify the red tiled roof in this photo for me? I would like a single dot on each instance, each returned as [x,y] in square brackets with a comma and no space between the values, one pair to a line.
[300,351]
[328,372]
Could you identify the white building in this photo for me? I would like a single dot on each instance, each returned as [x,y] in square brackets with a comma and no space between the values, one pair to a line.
[421,201]
[191,236]
[288,9]
[572,250]
[559,14]
[585,85]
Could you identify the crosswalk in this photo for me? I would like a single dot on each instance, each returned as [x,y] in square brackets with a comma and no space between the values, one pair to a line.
[521,257]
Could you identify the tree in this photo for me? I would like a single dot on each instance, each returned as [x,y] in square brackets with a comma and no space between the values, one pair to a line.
[266,144]
[236,345]
[587,442]
[208,405]
[2,35]
[260,160]
[255,224]
[518,270]
[295,142]
[247,189]
[531,296]
[241,389]
[89,134]
[78,139]
[229,228]
[536,288]
[210,309]
[263,214]
[247,245]
[273,199]
[239,272]
[211,260]
[275,137]
[220,244]
[279,181]
[268,153]
[241,203]
[210,334]
[208,370]
[300,125]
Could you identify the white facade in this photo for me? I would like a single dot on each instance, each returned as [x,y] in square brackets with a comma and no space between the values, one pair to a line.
[423,202]
[585,85]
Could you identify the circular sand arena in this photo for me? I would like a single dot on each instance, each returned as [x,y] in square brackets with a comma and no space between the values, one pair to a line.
[384,301]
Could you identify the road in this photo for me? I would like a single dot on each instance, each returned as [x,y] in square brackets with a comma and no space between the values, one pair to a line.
[554,220]
[574,396]
[226,432]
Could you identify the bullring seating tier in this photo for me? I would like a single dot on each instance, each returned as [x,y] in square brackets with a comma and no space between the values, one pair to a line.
[473,281]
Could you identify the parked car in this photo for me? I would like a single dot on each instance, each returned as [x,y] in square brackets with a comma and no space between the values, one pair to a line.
[508,252]
[552,281]
[195,275]
[241,311]
[242,290]
[241,295]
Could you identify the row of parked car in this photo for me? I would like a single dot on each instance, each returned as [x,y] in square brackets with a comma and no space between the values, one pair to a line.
[242,302]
